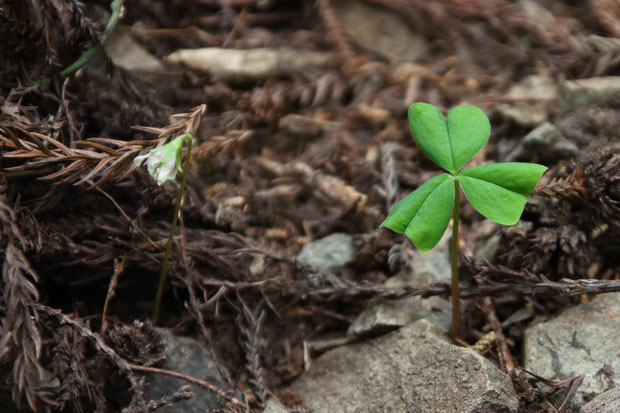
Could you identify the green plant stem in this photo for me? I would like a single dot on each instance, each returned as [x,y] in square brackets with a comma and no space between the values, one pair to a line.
[454,263]
[116,7]
[173,227]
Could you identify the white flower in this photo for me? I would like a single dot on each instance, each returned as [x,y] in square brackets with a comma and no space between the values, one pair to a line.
[163,163]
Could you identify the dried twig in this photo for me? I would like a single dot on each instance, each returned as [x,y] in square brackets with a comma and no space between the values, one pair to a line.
[505,359]
[336,32]
[119,267]
[184,393]
[332,288]
[205,385]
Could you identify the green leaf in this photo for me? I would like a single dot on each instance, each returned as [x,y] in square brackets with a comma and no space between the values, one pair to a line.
[469,130]
[424,214]
[499,191]
[450,144]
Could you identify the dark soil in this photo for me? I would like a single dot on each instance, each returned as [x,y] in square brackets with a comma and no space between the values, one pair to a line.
[80,223]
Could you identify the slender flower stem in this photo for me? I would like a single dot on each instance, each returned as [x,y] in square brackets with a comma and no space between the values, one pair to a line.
[173,227]
[454,262]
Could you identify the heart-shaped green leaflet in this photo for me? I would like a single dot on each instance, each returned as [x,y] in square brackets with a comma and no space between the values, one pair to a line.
[498,191]
[424,214]
[449,143]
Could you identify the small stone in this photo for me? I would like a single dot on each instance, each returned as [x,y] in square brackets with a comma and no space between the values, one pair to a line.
[127,53]
[273,406]
[532,99]
[328,254]
[424,268]
[250,64]
[187,356]
[279,234]
[421,269]
[322,344]
[373,115]
[234,201]
[581,340]
[387,315]
[608,402]
[414,369]
[545,137]
[488,250]
[588,92]
[380,30]
[519,316]
[283,192]
[520,230]
[299,125]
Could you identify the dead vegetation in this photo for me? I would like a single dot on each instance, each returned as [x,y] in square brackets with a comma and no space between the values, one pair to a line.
[83,231]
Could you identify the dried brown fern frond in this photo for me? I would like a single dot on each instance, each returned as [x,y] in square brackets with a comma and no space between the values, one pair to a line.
[20,339]
[336,32]
[77,386]
[81,22]
[219,144]
[103,349]
[595,180]
[577,219]
[250,327]
[601,168]
[21,41]
[571,186]
[94,160]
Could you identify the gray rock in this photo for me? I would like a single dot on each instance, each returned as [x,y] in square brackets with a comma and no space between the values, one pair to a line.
[532,98]
[520,229]
[608,402]
[414,369]
[588,92]
[186,355]
[299,125]
[249,64]
[150,74]
[425,267]
[581,340]
[328,254]
[321,344]
[127,53]
[387,315]
[273,406]
[422,268]
[488,250]
[380,31]
[545,137]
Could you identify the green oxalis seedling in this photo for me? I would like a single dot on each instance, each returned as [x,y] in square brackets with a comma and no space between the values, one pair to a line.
[162,164]
[498,191]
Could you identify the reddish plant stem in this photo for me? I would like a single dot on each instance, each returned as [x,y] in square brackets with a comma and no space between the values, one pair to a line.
[454,263]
